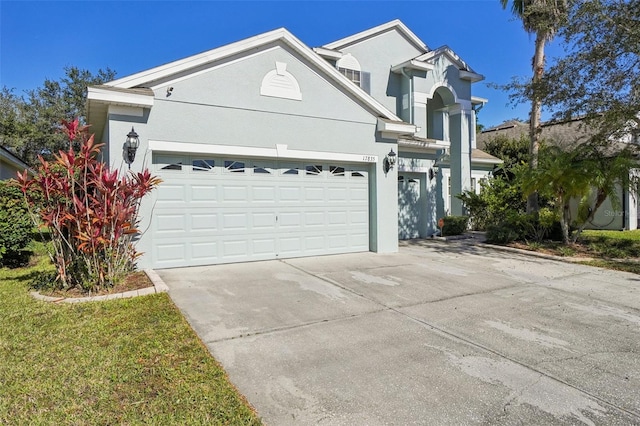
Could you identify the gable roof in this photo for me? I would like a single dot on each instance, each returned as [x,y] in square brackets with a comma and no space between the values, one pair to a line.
[478,156]
[446,51]
[423,62]
[372,32]
[157,75]
[466,72]
[562,133]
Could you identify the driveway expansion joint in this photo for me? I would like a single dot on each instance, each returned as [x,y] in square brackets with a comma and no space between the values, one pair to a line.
[276,330]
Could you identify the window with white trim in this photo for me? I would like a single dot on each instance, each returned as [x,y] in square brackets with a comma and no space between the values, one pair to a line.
[349,66]
[203,165]
[353,75]
[168,162]
[234,166]
[313,169]
[336,171]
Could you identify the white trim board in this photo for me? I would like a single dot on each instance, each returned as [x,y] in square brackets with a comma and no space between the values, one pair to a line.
[279,152]
[120,98]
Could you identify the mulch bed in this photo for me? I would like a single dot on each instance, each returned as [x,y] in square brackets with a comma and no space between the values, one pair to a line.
[555,249]
[135,281]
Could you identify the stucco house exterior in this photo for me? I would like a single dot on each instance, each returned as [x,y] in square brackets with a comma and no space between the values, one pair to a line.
[570,133]
[10,164]
[271,149]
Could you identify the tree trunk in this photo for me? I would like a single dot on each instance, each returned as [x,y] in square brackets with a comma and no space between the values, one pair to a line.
[601,197]
[564,221]
[535,129]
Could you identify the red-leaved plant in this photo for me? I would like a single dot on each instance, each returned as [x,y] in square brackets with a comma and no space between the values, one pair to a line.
[90,211]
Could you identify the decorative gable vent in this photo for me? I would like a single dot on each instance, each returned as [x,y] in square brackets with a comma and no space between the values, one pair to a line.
[279,83]
[348,62]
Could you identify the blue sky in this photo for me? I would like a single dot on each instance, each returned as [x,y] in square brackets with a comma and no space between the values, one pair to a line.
[39,38]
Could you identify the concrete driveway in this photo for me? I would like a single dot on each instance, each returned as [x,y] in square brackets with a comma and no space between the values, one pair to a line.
[436,334]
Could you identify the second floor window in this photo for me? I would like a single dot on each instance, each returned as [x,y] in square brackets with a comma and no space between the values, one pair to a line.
[352,75]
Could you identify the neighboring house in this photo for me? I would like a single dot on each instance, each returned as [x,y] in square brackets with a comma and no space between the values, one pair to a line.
[270,149]
[10,164]
[567,134]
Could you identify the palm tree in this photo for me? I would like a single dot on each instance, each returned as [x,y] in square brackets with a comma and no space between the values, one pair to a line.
[542,18]
[562,177]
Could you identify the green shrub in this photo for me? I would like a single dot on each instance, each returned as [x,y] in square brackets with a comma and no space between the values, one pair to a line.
[454,225]
[523,227]
[502,233]
[15,225]
[537,228]
[499,198]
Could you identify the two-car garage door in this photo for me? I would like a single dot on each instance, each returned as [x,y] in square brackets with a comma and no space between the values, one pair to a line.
[212,210]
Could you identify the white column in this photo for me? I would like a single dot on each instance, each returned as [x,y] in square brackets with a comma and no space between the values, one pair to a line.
[460,154]
[632,205]
[472,129]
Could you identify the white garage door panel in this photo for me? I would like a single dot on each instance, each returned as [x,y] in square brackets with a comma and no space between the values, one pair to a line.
[234,249]
[171,193]
[169,253]
[290,245]
[262,247]
[360,241]
[204,251]
[314,245]
[359,217]
[337,218]
[204,193]
[313,219]
[314,194]
[263,194]
[264,221]
[204,222]
[167,223]
[217,210]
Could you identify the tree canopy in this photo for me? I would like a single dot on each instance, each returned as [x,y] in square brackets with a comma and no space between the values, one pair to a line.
[30,123]
[599,78]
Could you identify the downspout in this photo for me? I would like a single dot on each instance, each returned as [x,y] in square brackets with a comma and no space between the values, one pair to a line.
[410,78]
[480,106]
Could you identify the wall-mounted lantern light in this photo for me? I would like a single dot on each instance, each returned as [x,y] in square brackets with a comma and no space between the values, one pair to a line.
[389,161]
[131,146]
[433,172]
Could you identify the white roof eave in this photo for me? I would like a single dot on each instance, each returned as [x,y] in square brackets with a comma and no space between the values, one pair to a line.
[397,128]
[413,64]
[97,94]
[396,23]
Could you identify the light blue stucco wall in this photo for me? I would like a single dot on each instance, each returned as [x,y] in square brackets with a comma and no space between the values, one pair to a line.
[445,73]
[405,95]
[377,55]
[222,105]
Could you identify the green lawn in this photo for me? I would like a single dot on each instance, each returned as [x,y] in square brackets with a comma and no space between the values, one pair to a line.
[133,361]
[619,250]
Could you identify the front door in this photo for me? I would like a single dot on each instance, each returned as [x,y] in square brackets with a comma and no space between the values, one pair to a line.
[409,210]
